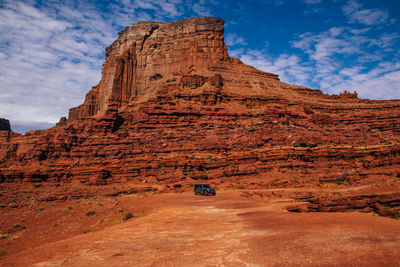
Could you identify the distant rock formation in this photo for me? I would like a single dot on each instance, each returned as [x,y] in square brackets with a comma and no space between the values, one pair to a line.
[347,94]
[5,125]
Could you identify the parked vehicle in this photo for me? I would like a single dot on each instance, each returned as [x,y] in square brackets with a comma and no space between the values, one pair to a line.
[204,189]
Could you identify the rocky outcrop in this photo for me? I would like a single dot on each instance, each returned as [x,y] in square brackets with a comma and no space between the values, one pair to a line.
[5,125]
[385,204]
[173,108]
[63,121]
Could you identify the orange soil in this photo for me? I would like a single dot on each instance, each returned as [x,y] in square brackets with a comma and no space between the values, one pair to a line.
[181,229]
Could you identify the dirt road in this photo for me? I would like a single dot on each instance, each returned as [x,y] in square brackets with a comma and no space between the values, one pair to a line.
[226,230]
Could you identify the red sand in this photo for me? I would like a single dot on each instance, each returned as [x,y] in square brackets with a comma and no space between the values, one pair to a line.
[184,229]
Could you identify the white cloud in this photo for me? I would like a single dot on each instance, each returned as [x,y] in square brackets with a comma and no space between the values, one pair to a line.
[385,41]
[370,16]
[200,10]
[350,72]
[324,45]
[335,60]
[357,14]
[170,8]
[232,39]
[351,7]
[288,67]
[144,4]
[344,59]
[313,1]
[236,52]
[378,83]
[48,62]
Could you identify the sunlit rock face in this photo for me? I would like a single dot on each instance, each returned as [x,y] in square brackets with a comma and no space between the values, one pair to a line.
[173,107]
[148,55]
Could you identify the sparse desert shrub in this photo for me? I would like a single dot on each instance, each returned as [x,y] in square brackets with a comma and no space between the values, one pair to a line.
[90,213]
[128,216]
[387,212]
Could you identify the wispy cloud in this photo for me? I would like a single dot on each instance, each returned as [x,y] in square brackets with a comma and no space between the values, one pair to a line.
[232,39]
[341,58]
[311,2]
[289,67]
[201,8]
[347,59]
[48,61]
[356,14]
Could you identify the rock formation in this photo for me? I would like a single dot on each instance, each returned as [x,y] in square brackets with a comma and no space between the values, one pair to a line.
[172,107]
[5,125]
[150,56]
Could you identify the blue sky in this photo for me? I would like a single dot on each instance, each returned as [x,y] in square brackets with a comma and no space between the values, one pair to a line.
[51,52]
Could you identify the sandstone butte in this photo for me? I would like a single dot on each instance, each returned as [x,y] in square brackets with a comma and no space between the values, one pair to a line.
[173,109]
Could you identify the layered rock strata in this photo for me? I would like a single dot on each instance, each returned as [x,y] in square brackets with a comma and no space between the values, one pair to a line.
[173,108]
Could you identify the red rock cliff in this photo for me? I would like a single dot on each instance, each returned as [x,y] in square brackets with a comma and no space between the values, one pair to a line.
[149,55]
[173,107]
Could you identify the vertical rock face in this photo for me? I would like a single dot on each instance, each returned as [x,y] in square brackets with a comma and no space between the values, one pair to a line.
[147,54]
[5,125]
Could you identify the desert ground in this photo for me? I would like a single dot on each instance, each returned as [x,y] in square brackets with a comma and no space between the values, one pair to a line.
[109,226]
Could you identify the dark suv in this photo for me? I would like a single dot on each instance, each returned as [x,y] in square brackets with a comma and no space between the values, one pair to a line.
[204,189]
